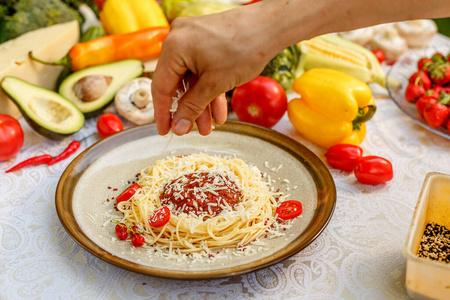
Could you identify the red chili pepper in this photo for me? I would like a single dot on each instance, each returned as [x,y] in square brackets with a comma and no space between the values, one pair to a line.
[37,160]
[66,153]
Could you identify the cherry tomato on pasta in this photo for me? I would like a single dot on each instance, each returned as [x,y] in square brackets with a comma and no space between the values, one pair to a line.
[373,170]
[289,209]
[137,240]
[343,156]
[128,192]
[160,217]
[109,124]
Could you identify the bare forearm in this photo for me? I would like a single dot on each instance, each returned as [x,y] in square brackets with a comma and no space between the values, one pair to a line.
[290,21]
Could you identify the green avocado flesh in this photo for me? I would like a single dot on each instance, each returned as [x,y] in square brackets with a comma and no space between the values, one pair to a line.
[46,111]
[117,73]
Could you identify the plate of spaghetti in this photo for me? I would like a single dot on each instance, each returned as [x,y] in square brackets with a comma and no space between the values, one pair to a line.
[195,207]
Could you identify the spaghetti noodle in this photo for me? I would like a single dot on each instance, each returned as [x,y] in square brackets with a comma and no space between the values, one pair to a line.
[227,204]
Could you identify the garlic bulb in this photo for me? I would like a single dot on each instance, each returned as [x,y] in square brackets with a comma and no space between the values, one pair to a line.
[360,36]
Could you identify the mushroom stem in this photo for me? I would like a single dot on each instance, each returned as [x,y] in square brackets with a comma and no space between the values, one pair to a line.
[140,98]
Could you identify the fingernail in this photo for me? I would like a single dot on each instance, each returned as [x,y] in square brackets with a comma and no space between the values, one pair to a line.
[182,127]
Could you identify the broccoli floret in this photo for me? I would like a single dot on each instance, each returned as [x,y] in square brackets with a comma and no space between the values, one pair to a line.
[34,14]
[283,67]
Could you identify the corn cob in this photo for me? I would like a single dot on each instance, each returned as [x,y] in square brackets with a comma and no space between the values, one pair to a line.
[334,52]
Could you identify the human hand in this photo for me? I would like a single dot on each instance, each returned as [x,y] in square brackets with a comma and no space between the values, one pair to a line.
[213,53]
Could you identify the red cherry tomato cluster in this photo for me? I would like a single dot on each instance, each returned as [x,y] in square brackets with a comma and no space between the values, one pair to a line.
[367,169]
[122,230]
[261,101]
[429,89]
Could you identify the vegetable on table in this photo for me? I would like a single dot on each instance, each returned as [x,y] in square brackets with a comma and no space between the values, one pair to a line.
[334,52]
[261,101]
[109,124]
[190,8]
[343,156]
[142,44]
[32,161]
[333,107]
[11,137]
[283,67]
[134,101]
[72,148]
[125,16]
[28,15]
[373,170]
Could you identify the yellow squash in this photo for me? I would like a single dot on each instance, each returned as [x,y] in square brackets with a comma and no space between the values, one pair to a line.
[332,109]
[124,16]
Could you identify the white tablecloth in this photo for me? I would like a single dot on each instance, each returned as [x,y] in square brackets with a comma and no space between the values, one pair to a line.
[358,256]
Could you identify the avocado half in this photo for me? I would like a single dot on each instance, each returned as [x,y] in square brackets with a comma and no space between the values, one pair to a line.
[46,111]
[118,74]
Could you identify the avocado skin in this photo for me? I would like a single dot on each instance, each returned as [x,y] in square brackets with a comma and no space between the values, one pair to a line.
[122,71]
[46,132]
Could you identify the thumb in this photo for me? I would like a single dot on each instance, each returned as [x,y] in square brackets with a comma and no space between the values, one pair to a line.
[195,103]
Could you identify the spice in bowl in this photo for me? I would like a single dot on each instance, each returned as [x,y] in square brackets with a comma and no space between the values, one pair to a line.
[435,243]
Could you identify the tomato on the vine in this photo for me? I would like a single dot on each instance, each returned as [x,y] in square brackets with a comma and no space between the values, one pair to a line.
[261,101]
[289,209]
[373,170]
[343,156]
[109,124]
[11,137]
[160,217]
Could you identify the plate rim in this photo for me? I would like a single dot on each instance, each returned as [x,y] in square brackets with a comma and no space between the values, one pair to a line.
[326,193]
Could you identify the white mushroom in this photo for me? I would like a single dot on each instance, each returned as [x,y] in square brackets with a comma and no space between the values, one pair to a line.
[417,33]
[134,101]
[360,36]
[392,44]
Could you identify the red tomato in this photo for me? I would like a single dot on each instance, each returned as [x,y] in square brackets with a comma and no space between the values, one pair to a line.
[373,170]
[109,124]
[379,54]
[289,209]
[11,137]
[160,217]
[261,101]
[137,240]
[128,193]
[343,156]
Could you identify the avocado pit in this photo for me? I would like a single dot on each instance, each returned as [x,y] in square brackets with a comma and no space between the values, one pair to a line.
[92,87]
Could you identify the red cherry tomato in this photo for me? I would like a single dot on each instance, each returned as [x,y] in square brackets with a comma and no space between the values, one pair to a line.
[261,101]
[373,170]
[137,240]
[128,193]
[109,124]
[160,217]
[343,156]
[379,54]
[11,137]
[289,209]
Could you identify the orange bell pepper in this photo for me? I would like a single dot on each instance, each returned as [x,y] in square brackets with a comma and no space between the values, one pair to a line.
[140,44]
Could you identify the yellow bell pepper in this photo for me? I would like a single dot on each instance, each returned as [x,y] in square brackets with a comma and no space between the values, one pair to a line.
[332,109]
[124,16]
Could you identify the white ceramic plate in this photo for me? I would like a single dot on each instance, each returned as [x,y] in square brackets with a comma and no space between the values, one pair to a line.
[83,190]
